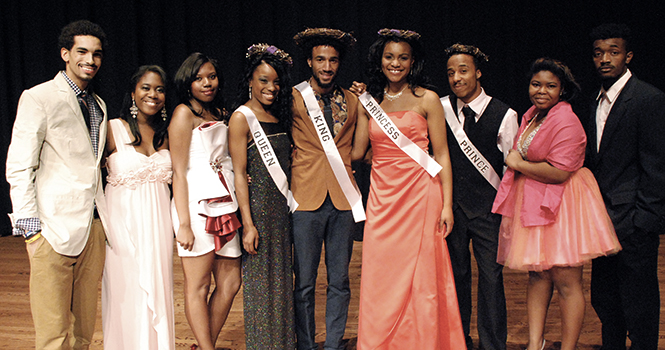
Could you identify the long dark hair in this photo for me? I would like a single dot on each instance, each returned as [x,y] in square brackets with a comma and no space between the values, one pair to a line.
[281,108]
[378,81]
[155,121]
[186,75]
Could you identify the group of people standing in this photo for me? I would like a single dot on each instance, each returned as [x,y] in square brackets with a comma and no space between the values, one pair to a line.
[260,191]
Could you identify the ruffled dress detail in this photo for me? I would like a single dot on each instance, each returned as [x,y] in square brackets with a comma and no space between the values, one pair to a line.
[212,201]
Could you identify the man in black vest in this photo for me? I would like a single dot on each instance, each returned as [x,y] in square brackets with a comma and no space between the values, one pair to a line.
[481,130]
[626,155]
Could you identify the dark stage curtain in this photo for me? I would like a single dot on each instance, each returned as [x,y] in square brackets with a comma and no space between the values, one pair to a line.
[512,33]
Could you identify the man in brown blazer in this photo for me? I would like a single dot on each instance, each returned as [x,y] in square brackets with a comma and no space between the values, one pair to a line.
[324,215]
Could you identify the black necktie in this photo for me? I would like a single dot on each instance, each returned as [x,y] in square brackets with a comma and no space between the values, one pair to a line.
[469,119]
[84,107]
[327,113]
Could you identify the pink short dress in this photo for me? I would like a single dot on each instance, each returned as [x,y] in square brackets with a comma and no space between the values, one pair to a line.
[546,225]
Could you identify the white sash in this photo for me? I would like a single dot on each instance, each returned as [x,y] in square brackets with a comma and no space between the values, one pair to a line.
[268,156]
[350,189]
[389,128]
[475,157]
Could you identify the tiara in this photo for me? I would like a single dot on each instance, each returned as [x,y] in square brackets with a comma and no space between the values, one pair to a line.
[399,33]
[309,34]
[469,50]
[265,49]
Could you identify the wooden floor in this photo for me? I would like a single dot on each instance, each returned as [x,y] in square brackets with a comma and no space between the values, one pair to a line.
[16,330]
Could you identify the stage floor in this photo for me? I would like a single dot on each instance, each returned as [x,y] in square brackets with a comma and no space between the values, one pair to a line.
[16,329]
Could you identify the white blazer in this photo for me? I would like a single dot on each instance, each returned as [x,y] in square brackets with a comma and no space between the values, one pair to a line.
[51,167]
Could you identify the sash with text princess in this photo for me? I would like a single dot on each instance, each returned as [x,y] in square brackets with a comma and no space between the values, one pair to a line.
[349,188]
[475,157]
[268,156]
[390,129]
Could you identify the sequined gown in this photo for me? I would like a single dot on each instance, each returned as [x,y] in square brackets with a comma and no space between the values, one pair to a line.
[137,286]
[267,276]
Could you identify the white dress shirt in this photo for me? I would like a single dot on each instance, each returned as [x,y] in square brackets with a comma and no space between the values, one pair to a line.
[606,100]
[508,129]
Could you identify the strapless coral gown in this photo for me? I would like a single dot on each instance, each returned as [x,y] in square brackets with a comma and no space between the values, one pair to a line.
[407,293]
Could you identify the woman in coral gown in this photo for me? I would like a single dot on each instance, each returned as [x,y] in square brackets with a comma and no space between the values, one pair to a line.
[137,287]
[407,292]
[554,218]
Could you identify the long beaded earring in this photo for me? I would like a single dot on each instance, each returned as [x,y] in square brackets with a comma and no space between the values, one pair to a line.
[250,92]
[164,114]
[133,110]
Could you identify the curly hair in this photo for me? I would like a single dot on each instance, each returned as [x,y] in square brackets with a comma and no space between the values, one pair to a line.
[377,80]
[186,75]
[281,108]
[570,87]
[82,27]
[156,122]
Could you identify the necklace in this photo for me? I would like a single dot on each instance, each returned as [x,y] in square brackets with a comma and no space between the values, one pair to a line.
[392,97]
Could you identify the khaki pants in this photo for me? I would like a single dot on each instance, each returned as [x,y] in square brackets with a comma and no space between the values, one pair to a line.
[63,292]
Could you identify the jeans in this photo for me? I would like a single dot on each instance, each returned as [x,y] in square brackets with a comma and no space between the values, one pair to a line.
[333,229]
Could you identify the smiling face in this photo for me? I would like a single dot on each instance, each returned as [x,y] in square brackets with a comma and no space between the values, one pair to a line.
[83,60]
[396,61]
[265,84]
[205,85]
[463,77]
[149,94]
[610,58]
[324,64]
[545,90]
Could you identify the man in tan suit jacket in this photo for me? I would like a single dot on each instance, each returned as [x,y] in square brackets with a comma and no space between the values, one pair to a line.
[53,168]
[324,214]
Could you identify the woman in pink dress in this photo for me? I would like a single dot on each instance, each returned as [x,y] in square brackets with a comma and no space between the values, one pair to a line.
[407,292]
[554,218]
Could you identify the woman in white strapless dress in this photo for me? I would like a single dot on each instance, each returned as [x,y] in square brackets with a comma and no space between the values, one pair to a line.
[204,202]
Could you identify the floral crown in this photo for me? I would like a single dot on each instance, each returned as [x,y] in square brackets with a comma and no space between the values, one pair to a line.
[469,50]
[265,49]
[399,33]
[311,35]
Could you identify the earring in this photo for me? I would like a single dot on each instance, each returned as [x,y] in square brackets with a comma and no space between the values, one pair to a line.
[250,92]
[133,110]
[164,114]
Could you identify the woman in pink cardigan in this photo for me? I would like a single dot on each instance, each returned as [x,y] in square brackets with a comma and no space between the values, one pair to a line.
[554,218]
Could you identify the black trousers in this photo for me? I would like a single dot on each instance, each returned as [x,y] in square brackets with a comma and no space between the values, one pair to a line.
[626,295]
[484,232]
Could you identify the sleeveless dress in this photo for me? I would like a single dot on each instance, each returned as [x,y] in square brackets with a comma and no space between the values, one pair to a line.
[580,229]
[268,276]
[407,291]
[211,192]
[137,285]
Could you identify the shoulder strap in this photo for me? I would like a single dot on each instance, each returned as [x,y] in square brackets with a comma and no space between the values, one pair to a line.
[120,136]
